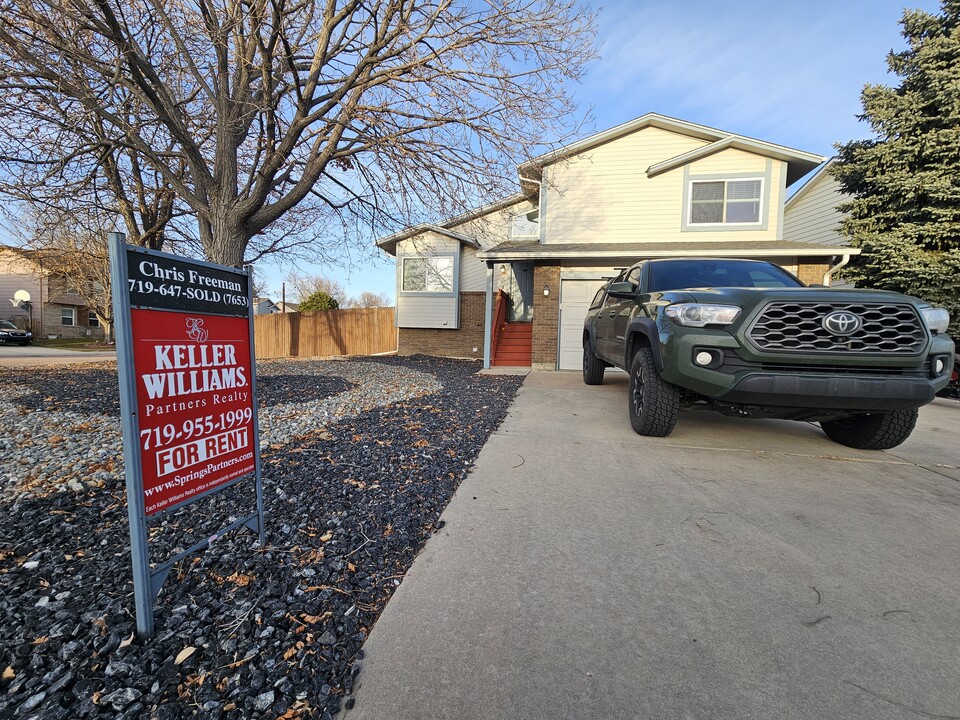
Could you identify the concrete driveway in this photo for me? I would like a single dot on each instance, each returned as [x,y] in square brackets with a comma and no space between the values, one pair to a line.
[737,569]
[16,356]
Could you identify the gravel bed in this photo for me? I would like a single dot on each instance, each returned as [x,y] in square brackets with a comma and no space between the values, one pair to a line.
[360,458]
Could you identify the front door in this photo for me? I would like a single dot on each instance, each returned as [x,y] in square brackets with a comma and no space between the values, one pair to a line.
[521,292]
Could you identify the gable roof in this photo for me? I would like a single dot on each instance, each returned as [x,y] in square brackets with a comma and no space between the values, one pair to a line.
[389,243]
[799,162]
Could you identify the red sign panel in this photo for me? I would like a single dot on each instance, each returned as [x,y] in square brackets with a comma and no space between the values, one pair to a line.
[194,403]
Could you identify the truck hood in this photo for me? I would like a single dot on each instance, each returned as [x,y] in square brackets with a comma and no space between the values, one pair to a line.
[750,297]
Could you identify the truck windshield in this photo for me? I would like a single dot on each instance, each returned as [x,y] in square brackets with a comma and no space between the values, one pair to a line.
[681,274]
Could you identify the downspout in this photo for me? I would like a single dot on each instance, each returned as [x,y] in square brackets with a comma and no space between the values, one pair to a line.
[488,317]
[828,275]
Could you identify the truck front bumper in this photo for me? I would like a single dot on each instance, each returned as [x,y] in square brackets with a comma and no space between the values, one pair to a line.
[741,377]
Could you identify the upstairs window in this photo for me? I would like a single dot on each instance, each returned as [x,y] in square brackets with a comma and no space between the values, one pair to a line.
[525,225]
[427,274]
[725,202]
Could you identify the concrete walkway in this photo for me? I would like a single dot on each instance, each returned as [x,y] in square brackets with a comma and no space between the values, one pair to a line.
[737,569]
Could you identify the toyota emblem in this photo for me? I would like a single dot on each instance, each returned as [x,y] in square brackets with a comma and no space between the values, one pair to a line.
[841,323]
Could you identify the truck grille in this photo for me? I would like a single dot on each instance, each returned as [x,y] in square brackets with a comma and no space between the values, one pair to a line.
[887,328]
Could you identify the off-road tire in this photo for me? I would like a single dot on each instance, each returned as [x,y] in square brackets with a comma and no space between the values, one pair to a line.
[652,402]
[593,366]
[877,431]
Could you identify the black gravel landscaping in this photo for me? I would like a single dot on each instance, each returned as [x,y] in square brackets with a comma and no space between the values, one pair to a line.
[360,457]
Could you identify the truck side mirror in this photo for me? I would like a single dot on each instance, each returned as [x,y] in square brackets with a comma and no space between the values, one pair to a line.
[622,289]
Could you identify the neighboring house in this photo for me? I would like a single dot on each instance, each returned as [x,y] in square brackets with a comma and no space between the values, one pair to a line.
[810,214]
[652,187]
[55,307]
[266,306]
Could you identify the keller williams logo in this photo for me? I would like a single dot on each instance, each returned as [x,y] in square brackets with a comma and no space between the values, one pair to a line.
[196,331]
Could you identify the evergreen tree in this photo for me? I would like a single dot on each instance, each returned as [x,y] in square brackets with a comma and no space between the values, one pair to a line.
[319,301]
[905,182]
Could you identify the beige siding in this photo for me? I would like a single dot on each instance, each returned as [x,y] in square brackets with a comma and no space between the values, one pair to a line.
[473,272]
[427,244]
[605,195]
[813,217]
[493,228]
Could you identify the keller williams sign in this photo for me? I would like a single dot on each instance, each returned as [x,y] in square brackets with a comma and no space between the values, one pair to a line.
[187,393]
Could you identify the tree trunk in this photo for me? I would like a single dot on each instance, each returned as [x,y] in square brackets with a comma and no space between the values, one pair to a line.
[228,240]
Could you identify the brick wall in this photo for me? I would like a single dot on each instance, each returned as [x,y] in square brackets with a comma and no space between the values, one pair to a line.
[450,343]
[811,273]
[53,326]
[546,317]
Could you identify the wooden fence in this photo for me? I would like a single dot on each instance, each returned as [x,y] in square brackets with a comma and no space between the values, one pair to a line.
[357,331]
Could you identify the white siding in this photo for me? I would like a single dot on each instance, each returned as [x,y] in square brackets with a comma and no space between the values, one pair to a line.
[421,311]
[813,216]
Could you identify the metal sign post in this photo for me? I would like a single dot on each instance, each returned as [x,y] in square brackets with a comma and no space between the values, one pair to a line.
[188,400]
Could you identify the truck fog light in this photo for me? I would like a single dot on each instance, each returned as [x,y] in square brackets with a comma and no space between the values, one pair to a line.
[703,358]
[938,366]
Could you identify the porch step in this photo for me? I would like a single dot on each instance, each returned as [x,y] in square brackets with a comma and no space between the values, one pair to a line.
[514,345]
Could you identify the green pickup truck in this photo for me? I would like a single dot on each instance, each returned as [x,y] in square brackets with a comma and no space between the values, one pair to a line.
[745,337]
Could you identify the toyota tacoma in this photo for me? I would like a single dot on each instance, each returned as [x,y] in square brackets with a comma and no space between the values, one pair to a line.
[745,337]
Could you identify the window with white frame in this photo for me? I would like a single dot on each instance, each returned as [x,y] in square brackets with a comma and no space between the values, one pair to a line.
[725,202]
[68,316]
[92,319]
[433,274]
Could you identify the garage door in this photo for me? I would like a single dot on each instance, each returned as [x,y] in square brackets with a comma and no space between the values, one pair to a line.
[575,297]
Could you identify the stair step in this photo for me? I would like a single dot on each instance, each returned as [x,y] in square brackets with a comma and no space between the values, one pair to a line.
[513,358]
[515,333]
[514,342]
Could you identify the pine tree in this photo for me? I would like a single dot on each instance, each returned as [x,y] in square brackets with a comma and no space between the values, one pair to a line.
[905,182]
[319,301]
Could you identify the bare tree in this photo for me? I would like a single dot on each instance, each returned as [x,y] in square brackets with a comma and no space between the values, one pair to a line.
[303,286]
[368,299]
[75,257]
[301,121]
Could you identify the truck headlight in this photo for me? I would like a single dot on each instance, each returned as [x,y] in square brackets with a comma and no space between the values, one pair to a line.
[701,315]
[936,319]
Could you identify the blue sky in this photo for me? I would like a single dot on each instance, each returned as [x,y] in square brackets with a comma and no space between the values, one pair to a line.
[785,72]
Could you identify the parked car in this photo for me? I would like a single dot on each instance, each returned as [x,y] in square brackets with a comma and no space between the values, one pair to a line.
[10,333]
[745,337]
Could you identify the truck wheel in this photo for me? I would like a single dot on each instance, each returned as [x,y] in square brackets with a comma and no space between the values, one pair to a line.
[877,431]
[653,402]
[592,365]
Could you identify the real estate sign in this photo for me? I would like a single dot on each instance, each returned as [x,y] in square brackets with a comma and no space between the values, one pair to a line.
[187,392]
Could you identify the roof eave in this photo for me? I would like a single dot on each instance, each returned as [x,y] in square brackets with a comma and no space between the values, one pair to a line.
[799,162]
[389,243]
[814,179]
[664,122]
[514,255]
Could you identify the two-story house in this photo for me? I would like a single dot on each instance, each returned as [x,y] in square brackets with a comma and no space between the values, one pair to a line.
[511,282]
[56,305]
